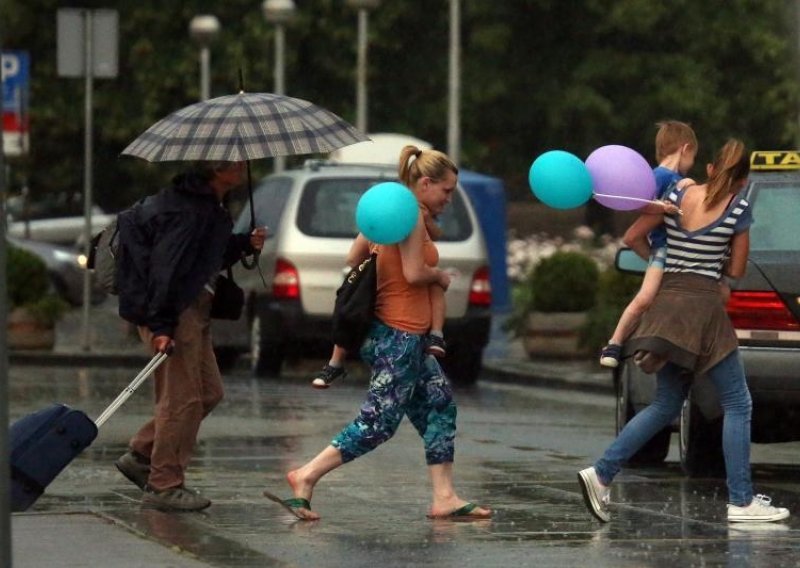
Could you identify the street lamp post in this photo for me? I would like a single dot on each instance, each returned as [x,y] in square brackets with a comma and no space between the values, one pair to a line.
[203,29]
[363,7]
[454,84]
[279,13]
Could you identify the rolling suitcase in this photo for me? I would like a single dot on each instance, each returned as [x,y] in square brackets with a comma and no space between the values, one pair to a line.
[45,442]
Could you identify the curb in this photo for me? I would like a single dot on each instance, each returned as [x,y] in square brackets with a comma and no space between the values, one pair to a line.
[77,359]
[575,376]
[546,377]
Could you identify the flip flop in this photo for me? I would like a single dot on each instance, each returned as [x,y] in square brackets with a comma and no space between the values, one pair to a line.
[463,514]
[291,505]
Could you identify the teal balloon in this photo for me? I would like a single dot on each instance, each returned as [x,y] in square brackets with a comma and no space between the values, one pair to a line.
[387,213]
[560,179]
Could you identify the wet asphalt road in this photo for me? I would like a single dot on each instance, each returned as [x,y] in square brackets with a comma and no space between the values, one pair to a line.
[518,449]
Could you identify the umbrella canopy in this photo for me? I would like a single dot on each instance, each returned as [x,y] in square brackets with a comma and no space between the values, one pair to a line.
[242,127]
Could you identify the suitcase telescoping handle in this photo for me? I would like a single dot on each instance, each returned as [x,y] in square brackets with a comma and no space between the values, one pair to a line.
[129,390]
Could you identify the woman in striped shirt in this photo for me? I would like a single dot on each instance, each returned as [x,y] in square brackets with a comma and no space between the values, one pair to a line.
[686,333]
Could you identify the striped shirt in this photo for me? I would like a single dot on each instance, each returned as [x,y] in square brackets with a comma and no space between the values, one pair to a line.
[704,251]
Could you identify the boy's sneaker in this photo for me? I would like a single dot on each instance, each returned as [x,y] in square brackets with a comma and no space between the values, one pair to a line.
[610,354]
[759,510]
[595,494]
[134,467]
[175,499]
[436,346]
[327,375]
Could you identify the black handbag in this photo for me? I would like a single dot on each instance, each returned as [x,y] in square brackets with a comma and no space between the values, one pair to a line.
[354,310]
[228,298]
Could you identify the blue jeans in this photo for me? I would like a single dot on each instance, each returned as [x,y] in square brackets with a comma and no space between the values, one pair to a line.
[672,389]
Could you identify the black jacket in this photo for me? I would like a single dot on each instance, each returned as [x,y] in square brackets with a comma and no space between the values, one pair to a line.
[171,244]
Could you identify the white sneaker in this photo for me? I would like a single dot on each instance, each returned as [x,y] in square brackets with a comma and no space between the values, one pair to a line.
[596,495]
[759,510]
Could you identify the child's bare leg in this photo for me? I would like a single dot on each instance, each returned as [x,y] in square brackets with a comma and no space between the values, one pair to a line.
[437,308]
[611,353]
[436,345]
[637,306]
[338,356]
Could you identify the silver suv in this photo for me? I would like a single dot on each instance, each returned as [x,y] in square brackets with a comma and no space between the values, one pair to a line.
[289,298]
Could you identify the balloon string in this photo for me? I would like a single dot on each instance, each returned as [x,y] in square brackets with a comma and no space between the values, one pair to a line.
[627,198]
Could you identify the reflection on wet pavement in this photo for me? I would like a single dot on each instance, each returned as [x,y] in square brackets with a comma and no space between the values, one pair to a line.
[517,453]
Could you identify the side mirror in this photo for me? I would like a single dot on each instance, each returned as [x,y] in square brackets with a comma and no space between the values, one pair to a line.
[630,262]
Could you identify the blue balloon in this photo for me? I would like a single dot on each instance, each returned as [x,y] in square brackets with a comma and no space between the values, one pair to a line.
[387,213]
[560,179]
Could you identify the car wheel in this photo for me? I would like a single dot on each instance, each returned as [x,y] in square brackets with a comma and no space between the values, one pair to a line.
[655,451]
[700,443]
[266,357]
[463,363]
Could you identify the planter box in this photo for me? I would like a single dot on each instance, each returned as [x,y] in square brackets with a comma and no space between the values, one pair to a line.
[555,335]
[26,332]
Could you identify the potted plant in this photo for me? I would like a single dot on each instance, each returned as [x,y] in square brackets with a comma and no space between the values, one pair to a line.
[33,309]
[553,302]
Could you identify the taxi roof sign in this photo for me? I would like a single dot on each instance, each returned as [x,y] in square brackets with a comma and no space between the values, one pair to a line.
[762,160]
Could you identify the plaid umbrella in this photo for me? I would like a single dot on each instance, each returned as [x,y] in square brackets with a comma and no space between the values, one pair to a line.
[243,127]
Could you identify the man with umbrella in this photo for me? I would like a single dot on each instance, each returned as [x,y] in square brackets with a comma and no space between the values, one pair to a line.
[194,243]
[172,247]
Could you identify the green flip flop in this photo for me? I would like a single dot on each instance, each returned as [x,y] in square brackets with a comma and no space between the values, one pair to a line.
[291,505]
[462,514]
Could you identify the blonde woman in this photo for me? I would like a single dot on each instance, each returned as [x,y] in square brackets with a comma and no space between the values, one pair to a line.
[405,380]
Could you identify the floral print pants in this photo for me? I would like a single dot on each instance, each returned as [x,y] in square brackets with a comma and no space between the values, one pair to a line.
[405,381]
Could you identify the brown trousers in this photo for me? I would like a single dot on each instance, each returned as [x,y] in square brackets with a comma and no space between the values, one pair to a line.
[187,387]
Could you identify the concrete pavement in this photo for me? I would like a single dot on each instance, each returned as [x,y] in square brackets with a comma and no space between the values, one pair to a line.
[45,539]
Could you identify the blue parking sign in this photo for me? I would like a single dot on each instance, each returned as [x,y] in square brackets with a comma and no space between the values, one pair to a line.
[16,78]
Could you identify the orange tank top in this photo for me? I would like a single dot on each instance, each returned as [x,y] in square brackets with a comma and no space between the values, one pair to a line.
[399,304]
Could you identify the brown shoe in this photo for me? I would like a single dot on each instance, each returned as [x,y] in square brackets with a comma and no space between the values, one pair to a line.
[175,499]
[135,468]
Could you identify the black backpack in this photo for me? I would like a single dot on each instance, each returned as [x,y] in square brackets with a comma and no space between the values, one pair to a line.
[354,310]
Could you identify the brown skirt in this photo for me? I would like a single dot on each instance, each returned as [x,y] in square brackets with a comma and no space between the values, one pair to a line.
[686,323]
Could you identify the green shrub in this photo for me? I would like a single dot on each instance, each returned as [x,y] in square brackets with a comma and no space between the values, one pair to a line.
[615,290]
[27,277]
[564,282]
[28,286]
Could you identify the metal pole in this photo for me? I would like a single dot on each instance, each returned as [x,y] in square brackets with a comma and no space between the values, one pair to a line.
[797,63]
[361,71]
[5,469]
[280,82]
[87,176]
[205,80]
[454,84]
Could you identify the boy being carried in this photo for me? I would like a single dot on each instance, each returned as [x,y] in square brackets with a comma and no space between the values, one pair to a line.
[676,148]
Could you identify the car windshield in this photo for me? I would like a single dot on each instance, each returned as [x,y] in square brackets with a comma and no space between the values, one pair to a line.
[328,209]
[776,208]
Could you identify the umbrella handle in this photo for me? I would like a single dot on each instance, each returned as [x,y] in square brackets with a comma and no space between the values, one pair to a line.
[250,194]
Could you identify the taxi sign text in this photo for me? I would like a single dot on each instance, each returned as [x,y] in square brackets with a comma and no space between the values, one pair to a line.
[775,160]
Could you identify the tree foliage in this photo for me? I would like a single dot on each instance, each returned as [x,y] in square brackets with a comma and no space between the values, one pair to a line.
[536,75]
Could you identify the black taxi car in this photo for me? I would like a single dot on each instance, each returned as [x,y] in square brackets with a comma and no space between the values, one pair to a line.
[764,308]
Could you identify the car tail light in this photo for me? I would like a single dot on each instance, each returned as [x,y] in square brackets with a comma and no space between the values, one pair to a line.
[760,310]
[286,283]
[480,290]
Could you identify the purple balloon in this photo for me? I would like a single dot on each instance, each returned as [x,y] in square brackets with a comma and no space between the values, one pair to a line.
[621,172]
